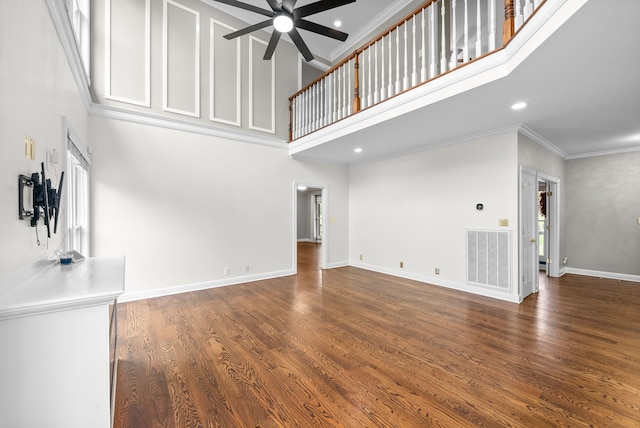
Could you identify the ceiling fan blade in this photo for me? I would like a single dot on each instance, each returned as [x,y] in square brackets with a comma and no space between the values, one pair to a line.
[248,7]
[248,29]
[273,42]
[319,6]
[274,5]
[321,29]
[302,46]
[288,5]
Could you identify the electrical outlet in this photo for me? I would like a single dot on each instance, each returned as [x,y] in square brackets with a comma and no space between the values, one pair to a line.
[247,268]
[360,256]
[504,222]
[437,271]
[401,265]
[227,271]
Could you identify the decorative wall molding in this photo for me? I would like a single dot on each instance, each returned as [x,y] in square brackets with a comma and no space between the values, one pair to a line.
[252,74]
[146,102]
[167,4]
[109,112]
[238,72]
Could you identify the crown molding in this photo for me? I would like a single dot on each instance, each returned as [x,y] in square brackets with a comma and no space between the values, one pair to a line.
[108,112]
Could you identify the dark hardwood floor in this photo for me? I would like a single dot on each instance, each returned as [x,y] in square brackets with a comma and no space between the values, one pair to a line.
[351,348]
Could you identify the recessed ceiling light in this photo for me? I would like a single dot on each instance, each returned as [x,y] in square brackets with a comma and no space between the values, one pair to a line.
[358,150]
[519,106]
[337,23]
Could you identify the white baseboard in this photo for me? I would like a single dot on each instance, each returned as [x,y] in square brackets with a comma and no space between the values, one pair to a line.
[601,274]
[495,294]
[140,295]
[335,265]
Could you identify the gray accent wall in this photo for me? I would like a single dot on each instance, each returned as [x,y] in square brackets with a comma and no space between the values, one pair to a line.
[602,209]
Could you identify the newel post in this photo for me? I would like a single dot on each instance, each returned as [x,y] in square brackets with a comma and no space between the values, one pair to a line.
[509,19]
[356,86]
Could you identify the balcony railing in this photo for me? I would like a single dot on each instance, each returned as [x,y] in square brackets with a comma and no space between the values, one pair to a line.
[434,39]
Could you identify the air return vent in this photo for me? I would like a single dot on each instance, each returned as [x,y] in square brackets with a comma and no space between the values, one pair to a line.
[489,258]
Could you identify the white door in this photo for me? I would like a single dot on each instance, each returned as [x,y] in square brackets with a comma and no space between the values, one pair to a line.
[528,232]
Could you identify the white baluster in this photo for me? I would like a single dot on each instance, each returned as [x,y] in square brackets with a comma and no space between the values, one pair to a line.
[528,9]
[383,86]
[390,90]
[314,112]
[518,15]
[432,40]
[294,118]
[453,60]
[492,25]
[465,48]
[320,104]
[398,87]
[423,70]
[376,93]
[336,96]
[478,30]
[405,80]
[348,93]
[369,92]
[307,108]
[364,99]
[345,91]
[328,99]
[443,37]
[414,71]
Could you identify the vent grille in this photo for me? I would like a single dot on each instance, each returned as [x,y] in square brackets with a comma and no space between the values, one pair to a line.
[488,258]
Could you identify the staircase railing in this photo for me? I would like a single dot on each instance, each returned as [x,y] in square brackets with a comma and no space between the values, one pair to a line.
[434,39]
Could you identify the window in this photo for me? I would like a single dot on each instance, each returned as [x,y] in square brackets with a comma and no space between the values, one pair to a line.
[77,177]
[79,16]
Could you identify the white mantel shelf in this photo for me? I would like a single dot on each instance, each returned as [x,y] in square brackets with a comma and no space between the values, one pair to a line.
[48,286]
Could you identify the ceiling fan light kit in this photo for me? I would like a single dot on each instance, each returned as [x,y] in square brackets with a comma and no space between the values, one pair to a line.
[283,23]
[286,18]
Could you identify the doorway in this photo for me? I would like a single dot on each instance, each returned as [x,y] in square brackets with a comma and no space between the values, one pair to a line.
[539,226]
[310,205]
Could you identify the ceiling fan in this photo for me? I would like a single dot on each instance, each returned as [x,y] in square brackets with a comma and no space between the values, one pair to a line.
[286,18]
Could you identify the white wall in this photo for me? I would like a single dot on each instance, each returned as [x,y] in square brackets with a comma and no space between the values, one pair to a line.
[415,208]
[36,90]
[184,206]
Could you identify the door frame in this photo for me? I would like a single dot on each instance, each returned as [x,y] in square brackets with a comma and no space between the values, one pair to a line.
[553,211]
[324,252]
[553,219]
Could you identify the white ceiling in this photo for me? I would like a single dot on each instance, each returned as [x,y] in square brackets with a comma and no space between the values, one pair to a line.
[358,19]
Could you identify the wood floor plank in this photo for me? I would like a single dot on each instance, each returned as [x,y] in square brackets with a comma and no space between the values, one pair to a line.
[351,348]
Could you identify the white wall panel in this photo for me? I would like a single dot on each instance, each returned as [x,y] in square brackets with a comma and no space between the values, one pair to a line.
[262,88]
[181,59]
[224,75]
[128,59]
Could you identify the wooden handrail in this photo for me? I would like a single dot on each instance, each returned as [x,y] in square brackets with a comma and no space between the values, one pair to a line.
[508,32]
